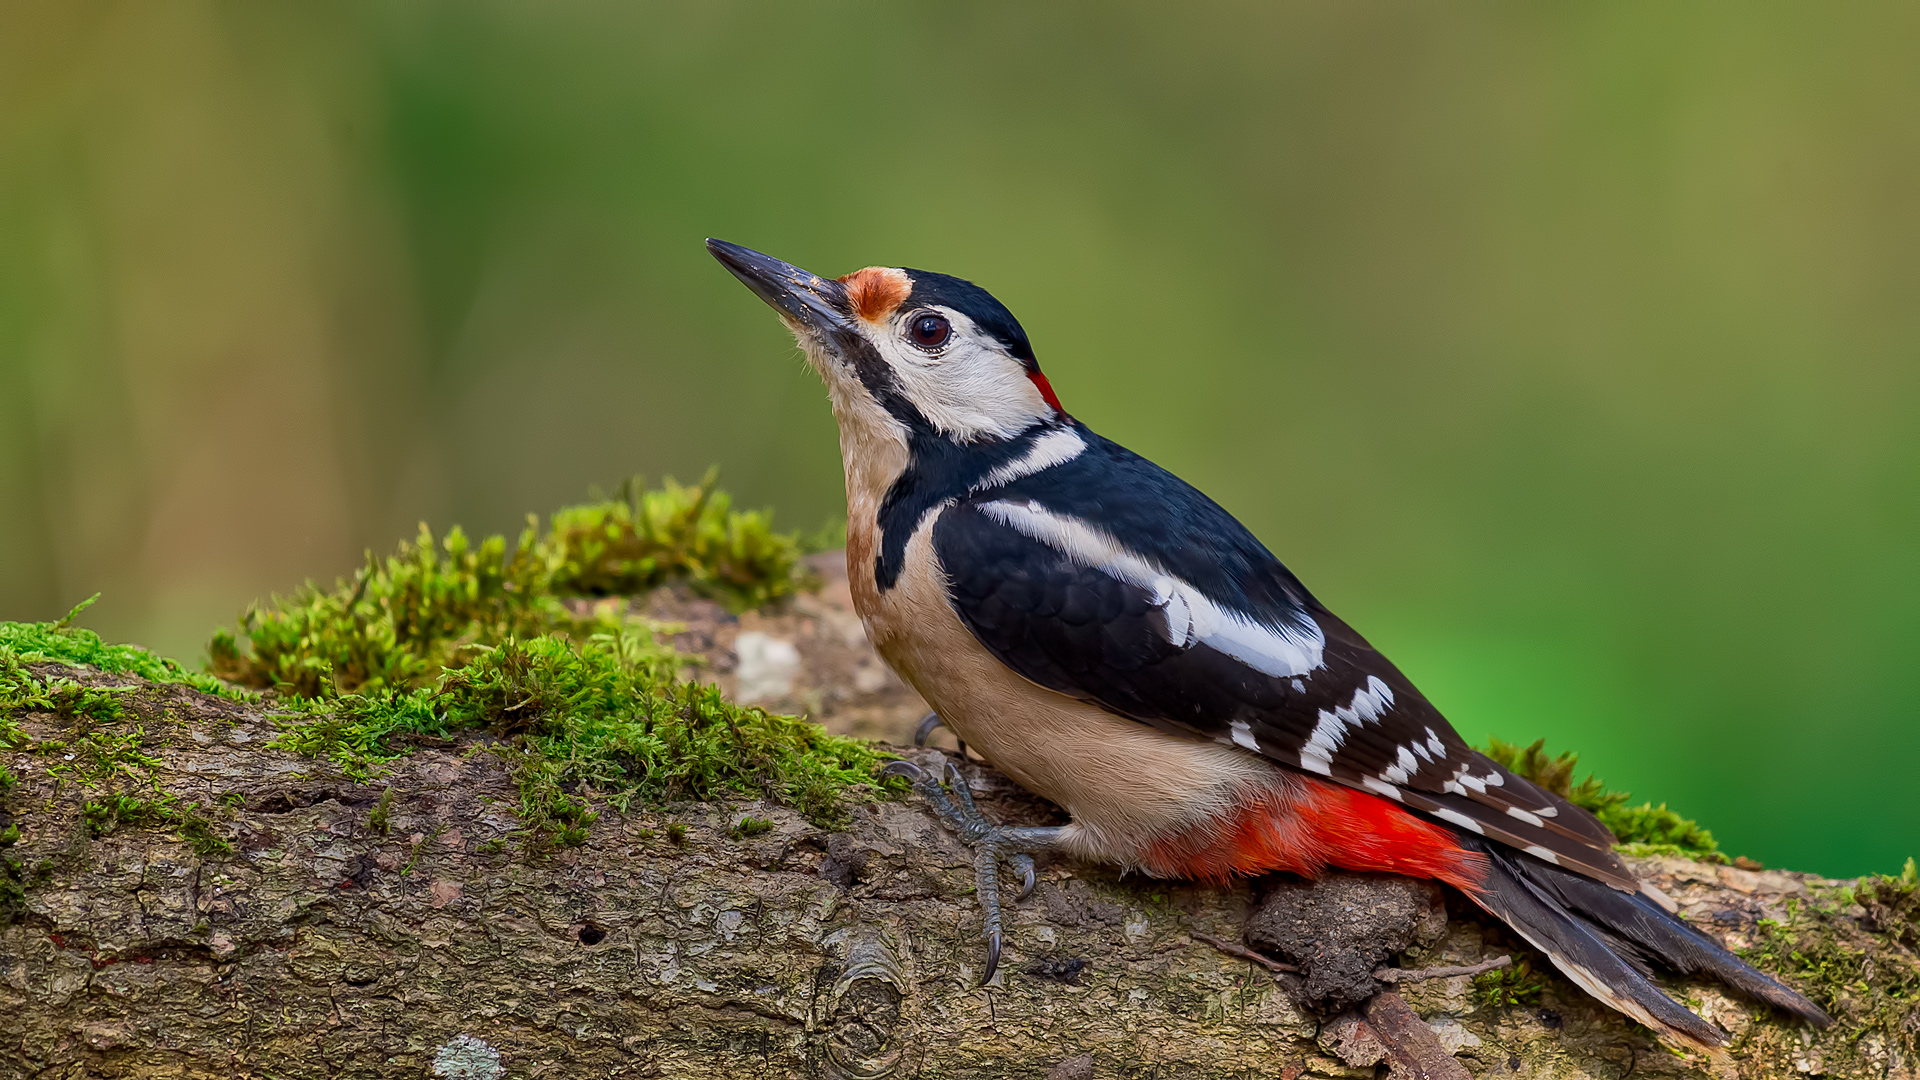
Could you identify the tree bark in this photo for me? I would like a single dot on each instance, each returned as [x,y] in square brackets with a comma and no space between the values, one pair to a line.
[322,946]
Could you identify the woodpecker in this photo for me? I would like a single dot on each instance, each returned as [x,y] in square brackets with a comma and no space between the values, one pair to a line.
[1117,643]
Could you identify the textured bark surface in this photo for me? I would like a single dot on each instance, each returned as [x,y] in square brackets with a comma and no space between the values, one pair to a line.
[324,947]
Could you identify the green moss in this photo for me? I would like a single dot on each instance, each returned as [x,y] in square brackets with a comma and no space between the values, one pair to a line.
[380,818]
[104,815]
[1869,986]
[1891,903]
[403,620]
[15,880]
[446,635]
[61,642]
[749,827]
[22,691]
[97,758]
[1515,984]
[644,539]
[1642,830]
[395,626]
[603,716]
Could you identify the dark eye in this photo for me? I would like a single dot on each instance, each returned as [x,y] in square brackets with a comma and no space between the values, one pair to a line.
[930,331]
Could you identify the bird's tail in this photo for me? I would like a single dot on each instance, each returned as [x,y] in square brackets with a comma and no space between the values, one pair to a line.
[1606,940]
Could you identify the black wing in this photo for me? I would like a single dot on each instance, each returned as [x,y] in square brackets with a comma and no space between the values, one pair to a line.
[1191,625]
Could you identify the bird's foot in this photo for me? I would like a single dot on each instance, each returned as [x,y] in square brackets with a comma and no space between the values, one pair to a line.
[946,790]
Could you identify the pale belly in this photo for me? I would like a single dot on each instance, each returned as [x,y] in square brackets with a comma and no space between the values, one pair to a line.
[1126,785]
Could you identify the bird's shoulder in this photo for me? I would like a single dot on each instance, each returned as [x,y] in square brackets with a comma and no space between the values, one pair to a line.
[1135,507]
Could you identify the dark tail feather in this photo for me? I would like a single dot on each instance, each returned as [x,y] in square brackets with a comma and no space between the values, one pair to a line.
[1582,926]
[1664,937]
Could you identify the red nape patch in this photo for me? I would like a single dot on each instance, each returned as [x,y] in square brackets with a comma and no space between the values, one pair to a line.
[1320,824]
[1046,390]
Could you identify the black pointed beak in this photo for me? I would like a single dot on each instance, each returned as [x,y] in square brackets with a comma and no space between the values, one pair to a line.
[814,302]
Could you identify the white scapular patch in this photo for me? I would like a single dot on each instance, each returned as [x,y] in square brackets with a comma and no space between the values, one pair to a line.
[1460,819]
[1056,447]
[1243,736]
[1191,616]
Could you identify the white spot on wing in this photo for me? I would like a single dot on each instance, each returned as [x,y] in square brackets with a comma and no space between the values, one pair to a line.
[1056,447]
[1372,700]
[1542,854]
[1327,736]
[1279,651]
[1243,736]
[1460,819]
[1381,788]
[1368,704]
[1526,816]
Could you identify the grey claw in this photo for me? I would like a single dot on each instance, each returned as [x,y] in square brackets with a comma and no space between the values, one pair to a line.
[956,782]
[902,768]
[1025,863]
[927,724]
[993,956]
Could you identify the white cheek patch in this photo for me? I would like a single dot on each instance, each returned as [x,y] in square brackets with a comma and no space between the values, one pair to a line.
[1192,617]
[973,390]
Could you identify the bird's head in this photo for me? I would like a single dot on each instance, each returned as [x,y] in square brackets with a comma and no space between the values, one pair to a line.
[918,352]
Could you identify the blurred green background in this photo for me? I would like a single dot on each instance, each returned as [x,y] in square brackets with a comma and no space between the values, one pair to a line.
[1572,352]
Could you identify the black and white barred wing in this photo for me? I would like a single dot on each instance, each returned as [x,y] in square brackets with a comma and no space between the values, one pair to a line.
[1066,605]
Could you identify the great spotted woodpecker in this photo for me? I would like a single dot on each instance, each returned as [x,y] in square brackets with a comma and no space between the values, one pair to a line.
[1114,641]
